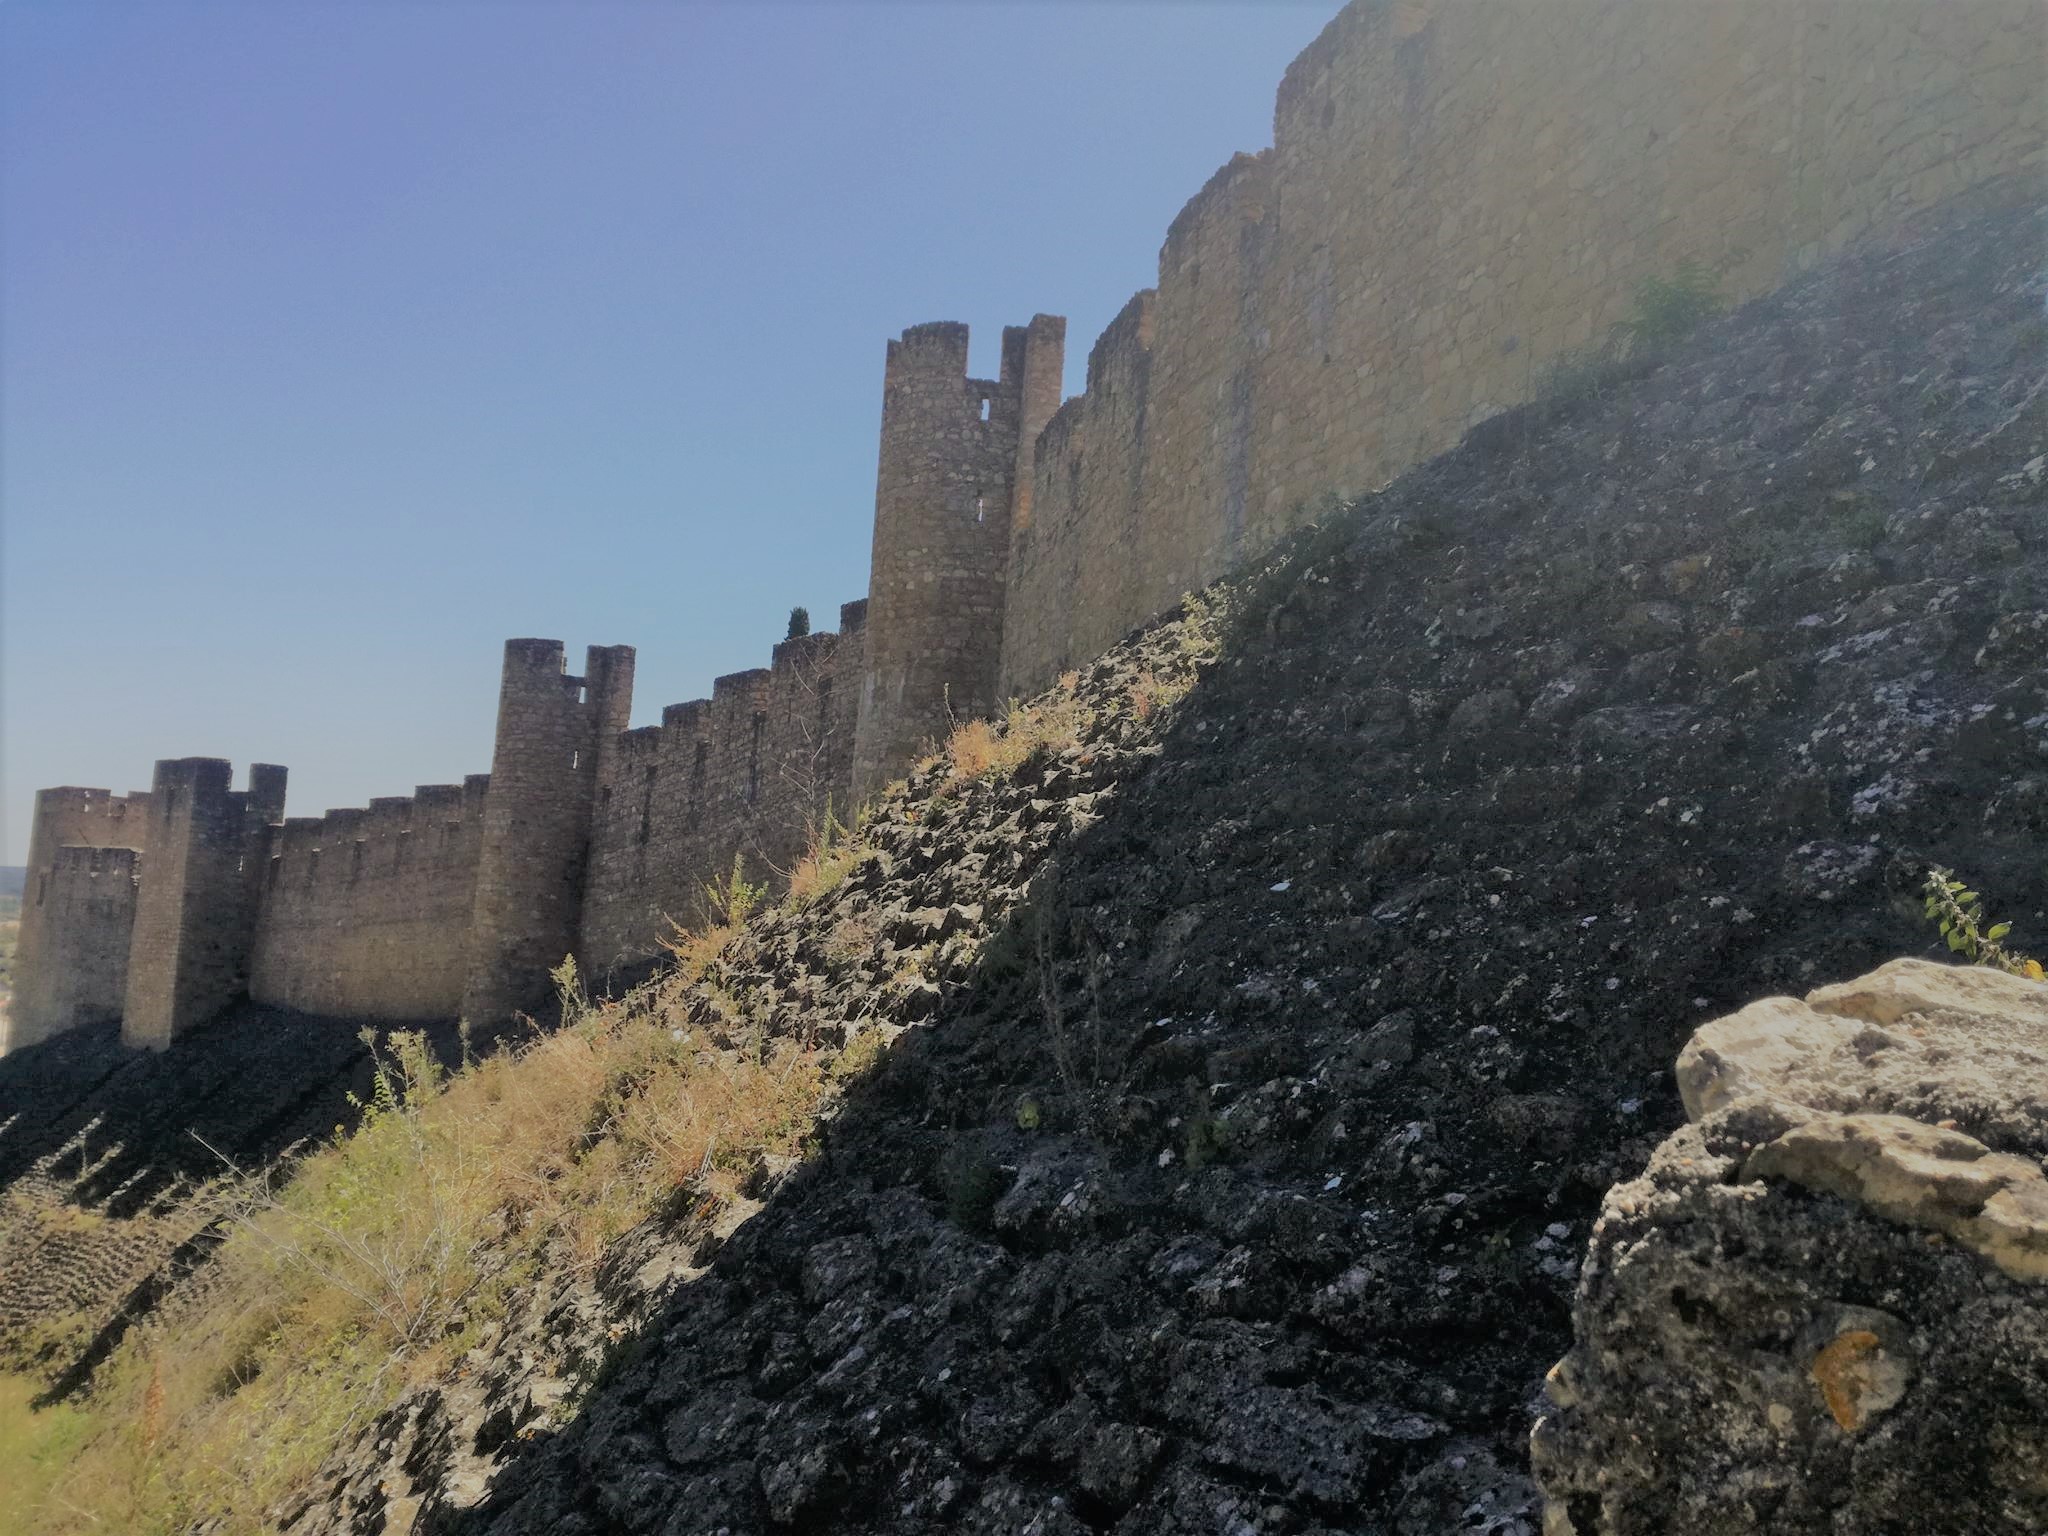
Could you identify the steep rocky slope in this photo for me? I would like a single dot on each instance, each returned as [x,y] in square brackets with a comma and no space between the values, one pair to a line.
[1237,1179]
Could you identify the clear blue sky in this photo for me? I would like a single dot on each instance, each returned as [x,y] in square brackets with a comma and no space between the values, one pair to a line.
[344,341]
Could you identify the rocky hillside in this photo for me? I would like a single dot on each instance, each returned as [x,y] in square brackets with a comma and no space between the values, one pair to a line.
[1257,1027]
[1238,1179]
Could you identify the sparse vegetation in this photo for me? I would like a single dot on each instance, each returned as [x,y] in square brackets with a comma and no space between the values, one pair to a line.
[1669,309]
[1959,913]
[377,1260]
[980,749]
[834,850]
[725,905]
[1665,311]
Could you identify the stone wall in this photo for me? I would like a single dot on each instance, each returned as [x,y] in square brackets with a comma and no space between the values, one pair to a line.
[366,913]
[554,732]
[1457,194]
[87,899]
[51,993]
[748,772]
[195,913]
[1457,197]
[954,475]
[586,839]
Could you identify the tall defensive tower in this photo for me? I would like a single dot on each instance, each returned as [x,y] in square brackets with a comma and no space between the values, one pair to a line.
[552,729]
[195,915]
[954,474]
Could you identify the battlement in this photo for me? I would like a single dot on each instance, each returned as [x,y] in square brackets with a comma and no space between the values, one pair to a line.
[954,477]
[940,345]
[366,910]
[1125,345]
[746,772]
[739,685]
[195,914]
[556,735]
[1456,196]
[71,813]
[390,835]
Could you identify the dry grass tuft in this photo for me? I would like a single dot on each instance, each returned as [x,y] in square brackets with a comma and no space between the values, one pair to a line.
[980,750]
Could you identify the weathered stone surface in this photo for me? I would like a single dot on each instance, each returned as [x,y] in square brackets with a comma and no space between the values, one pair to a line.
[1824,1306]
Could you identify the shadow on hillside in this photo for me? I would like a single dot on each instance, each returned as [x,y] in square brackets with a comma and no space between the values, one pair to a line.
[135,1127]
[1249,1165]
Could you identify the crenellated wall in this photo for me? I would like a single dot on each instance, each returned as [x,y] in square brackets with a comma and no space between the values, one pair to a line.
[586,838]
[63,980]
[1457,193]
[85,902]
[367,912]
[555,731]
[954,474]
[195,911]
[748,771]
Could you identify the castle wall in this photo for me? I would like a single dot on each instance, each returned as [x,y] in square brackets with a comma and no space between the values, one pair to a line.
[1457,194]
[366,913]
[1091,456]
[554,732]
[87,899]
[195,916]
[954,451]
[56,975]
[749,771]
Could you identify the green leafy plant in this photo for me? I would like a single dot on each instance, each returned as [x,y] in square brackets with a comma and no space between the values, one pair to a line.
[972,1183]
[1665,311]
[1960,913]
[1669,309]
[730,901]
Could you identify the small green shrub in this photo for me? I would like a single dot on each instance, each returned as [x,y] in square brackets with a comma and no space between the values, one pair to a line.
[1205,1139]
[1669,309]
[1665,311]
[1960,913]
[728,902]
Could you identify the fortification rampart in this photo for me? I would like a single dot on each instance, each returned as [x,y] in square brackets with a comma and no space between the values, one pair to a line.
[84,901]
[586,838]
[52,991]
[553,728]
[1458,193]
[748,772]
[195,912]
[954,475]
[367,912]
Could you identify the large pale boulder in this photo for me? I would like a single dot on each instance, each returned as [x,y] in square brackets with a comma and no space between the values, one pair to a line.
[1824,1305]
